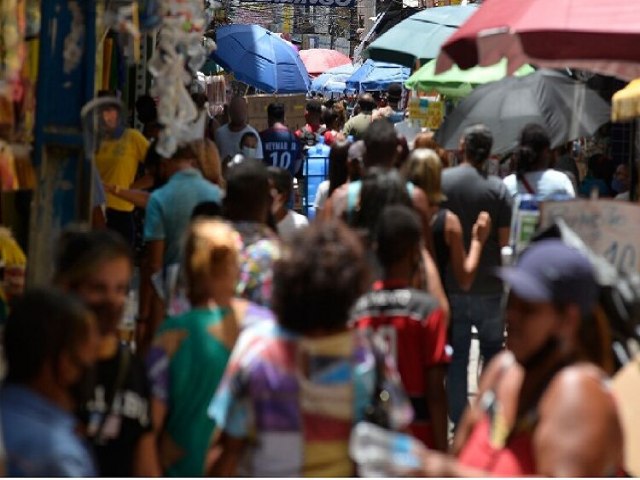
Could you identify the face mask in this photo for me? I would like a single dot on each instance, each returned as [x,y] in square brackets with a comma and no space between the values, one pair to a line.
[537,357]
[249,152]
[108,315]
[618,186]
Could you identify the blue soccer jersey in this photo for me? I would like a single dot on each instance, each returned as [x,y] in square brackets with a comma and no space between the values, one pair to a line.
[281,148]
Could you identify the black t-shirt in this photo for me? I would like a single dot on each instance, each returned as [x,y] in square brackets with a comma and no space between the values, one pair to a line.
[116,421]
[440,247]
[468,193]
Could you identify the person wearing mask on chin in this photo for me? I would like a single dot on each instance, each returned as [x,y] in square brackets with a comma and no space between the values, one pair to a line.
[97,267]
[545,406]
[50,344]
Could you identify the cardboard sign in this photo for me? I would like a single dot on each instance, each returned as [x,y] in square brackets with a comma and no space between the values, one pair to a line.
[611,228]
[418,108]
[435,115]
[294,110]
[426,112]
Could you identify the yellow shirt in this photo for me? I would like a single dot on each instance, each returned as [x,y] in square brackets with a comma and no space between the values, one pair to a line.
[117,162]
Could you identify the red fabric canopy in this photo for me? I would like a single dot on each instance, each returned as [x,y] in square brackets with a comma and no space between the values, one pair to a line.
[602,36]
[319,60]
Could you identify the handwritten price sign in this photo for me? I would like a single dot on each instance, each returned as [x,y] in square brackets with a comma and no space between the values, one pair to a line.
[610,228]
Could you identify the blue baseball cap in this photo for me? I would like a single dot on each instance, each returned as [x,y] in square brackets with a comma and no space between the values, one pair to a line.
[551,271]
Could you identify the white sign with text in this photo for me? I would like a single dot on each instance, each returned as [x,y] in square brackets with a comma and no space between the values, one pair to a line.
[610,228]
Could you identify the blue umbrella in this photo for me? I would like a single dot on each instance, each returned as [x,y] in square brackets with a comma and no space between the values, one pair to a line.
[377,76]
[333,80]
[260,59]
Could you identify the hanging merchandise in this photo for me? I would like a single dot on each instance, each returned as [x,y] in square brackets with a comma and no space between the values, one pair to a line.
[8,177]
[216,94]
[178,57]
[25,110]
[74,41]
[12,47]
[33,18]
[13,265]
[150,14]
[124,19]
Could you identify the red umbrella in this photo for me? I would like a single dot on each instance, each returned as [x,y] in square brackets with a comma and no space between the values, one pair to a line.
[602,36]
[319,60]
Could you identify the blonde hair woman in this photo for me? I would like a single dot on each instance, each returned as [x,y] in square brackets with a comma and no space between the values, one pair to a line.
[190,351]
[424,169]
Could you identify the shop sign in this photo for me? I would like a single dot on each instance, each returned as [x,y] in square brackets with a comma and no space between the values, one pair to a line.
[428,113]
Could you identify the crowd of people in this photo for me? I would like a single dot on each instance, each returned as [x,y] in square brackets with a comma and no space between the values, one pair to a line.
[263,338]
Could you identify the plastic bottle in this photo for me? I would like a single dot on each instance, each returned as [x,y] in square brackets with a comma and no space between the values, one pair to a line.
[384,453]
[315,172]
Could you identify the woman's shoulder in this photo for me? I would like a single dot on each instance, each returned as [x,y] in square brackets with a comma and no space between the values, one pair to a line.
[579,391]
[578,378]
[579,432]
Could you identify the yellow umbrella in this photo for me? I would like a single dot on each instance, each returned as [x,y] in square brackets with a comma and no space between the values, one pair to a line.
[625,104]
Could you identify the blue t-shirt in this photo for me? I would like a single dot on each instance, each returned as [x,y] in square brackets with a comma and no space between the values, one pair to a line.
[281,148]
[40,438]
[169,210]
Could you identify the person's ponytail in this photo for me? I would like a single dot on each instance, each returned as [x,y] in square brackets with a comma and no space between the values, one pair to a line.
[480,155]
[525,159]
[534,141]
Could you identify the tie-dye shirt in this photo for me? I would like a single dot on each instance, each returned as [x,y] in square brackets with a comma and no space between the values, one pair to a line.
[295,399]
[260,250]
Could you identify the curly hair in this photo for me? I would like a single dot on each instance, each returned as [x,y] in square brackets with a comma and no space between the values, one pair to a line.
[318,279]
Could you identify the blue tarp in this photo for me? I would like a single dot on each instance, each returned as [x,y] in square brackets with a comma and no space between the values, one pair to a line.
[375,76]
[333,80]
